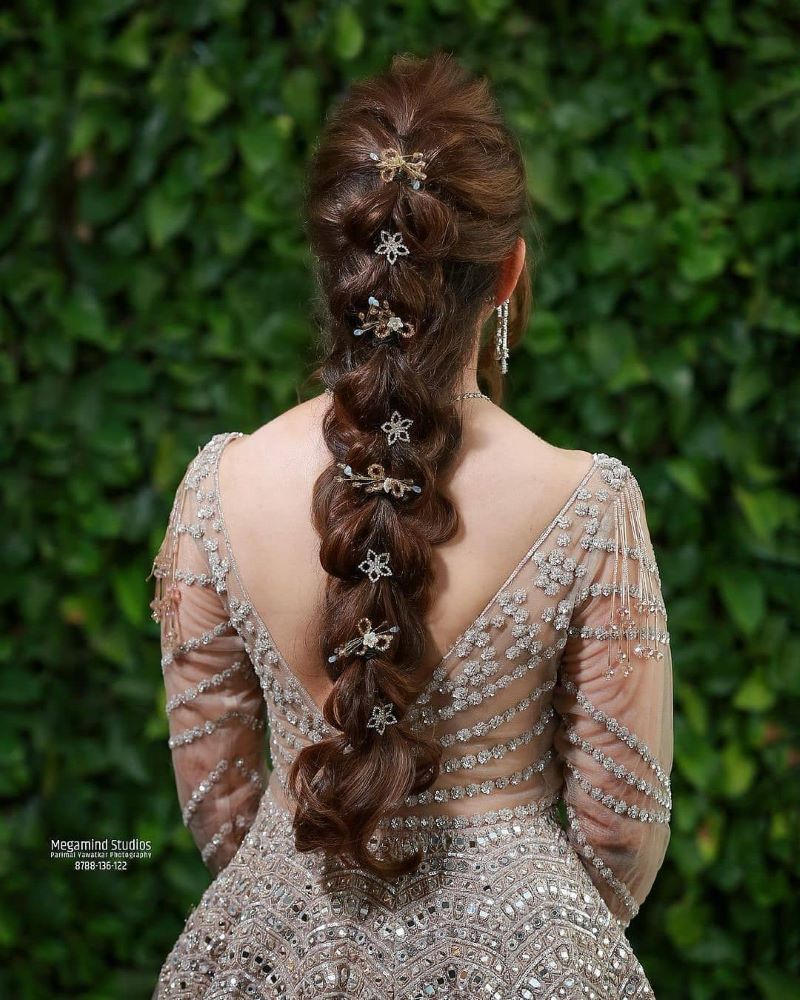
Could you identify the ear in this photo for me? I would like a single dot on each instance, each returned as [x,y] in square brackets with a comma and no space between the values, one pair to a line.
[510,271]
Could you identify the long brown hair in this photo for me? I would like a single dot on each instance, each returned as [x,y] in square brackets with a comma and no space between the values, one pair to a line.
[459,225]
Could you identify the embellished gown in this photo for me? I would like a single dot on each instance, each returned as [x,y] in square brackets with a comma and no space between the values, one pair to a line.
[559,692]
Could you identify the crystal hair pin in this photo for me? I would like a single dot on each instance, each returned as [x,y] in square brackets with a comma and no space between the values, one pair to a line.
[391,245]
[392,161]
[396,428]
[382,716]
[375,565]
[371,639]
[376,481]
[380,319]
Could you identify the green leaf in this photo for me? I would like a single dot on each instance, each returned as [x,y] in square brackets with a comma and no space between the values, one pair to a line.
[764,510]
[695,708]
[755,694]
[261,145]
[686,922]
[300,93]
[204,99]
[708,838]
[748,385]
[132,47]
[687,475]
[703,261]
[743,594]
[19,687]
[348,33]
[165,216]
[738,770]
[776,984]
[82,317]
[546,183]
[604,187]
[132,594]
[697,761]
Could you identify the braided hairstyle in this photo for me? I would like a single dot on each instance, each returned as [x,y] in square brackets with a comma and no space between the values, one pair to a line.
[417,327]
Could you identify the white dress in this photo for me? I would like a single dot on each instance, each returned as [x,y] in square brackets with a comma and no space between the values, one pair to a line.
[560,692]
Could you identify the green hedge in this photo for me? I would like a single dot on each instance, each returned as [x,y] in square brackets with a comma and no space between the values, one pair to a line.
[155,286]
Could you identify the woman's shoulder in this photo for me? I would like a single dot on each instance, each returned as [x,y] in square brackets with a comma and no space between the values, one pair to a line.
[515,452]
[300,424]
[291,447]
[284,453]
[606,473]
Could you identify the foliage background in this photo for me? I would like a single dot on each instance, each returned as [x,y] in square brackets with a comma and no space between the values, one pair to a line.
[155,282]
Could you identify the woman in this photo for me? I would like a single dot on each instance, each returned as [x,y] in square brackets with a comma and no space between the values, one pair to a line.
[421,731]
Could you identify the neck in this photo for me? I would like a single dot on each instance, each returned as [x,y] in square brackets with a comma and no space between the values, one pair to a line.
[467,380]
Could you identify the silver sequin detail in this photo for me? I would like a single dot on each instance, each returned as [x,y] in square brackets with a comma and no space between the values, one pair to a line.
[503,903]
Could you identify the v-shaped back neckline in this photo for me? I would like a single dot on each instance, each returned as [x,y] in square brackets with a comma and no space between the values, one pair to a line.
[435,677]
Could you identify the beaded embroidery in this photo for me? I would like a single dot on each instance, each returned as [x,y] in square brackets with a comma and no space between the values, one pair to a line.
[498,909]
[489,702]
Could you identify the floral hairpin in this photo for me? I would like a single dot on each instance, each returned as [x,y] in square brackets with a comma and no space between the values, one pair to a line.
[376,480]
[376,565]
[396,428]
[382,321]
[382,716]
[370,640]
[391,246]
[391,161]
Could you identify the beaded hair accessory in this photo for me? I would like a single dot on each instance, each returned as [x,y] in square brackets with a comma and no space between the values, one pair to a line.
[372,639]
[376,565]
[393,162]
[380,319]
[382,716]
[376,480]
[391,245]
[396,428]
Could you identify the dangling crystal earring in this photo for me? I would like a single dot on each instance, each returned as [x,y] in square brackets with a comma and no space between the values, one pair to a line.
[501,336]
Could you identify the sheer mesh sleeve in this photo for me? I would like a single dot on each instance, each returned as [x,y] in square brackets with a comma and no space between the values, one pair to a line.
[615,702]
[214,701]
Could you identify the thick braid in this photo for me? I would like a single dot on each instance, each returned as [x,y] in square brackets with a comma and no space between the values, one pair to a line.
[395,209]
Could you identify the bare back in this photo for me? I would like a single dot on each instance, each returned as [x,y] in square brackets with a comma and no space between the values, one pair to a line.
[507,483]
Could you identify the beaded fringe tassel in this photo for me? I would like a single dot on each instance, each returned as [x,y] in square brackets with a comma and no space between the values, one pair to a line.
[622,631]
[164,605]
